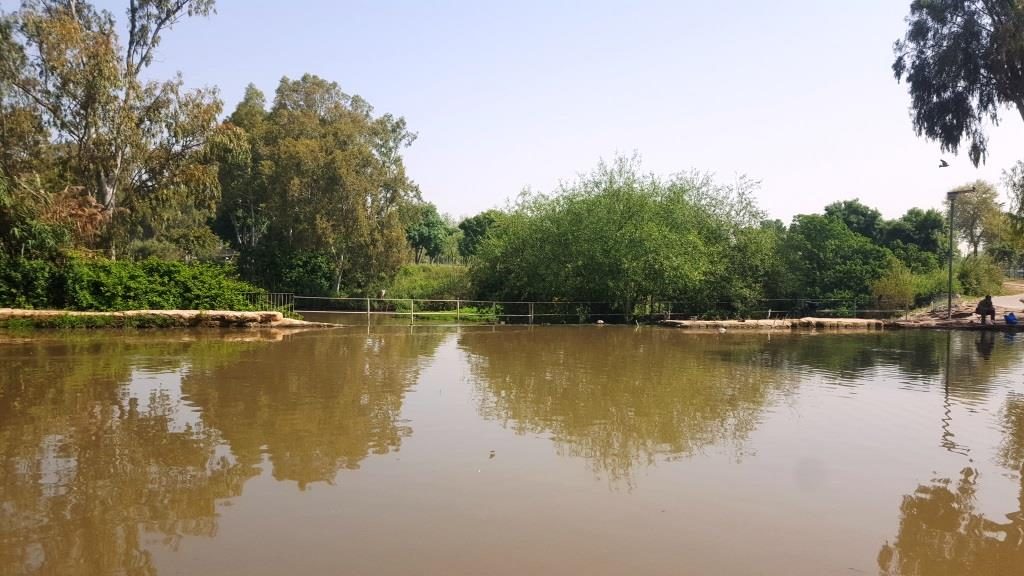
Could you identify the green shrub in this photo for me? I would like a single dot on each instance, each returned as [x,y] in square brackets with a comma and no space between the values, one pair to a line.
[106,285]
[27,283]
[979,275]
[431,282]
[895,289]
[930,285]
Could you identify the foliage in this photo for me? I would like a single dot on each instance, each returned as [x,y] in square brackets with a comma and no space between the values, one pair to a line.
[978,215]
[616,236]
[895,289]
[825,259]
[106,285]
[24,229]
[861,219]
[134,145]
[427,233]
[979,276]
[474,230]
[962,61]
[431,282]
[316,178]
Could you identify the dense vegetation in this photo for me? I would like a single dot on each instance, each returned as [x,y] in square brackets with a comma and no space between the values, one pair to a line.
[122,191]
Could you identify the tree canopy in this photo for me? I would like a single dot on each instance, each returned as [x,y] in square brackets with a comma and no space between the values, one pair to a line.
[963,61]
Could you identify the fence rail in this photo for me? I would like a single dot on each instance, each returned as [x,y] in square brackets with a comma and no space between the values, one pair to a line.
[277,301]
[557,312]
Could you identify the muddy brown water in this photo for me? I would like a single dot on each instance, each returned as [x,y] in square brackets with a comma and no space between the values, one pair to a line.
[512,450]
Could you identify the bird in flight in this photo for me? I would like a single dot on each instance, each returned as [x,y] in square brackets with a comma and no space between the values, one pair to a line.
[943,163]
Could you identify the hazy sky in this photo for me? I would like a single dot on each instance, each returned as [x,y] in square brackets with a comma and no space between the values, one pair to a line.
[797,94]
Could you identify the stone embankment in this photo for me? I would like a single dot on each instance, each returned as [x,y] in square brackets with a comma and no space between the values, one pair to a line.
[800,323]
[151,319]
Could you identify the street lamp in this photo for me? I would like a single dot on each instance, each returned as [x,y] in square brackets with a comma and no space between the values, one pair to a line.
[952,196]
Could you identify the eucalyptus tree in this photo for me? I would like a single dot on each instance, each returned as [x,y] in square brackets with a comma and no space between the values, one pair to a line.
[135,145]
[963,61]
[316,179]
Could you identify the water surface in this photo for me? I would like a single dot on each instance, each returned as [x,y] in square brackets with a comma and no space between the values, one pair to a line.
[544,450]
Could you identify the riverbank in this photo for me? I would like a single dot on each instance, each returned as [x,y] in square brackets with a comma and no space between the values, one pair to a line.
[780,324]
[22,318]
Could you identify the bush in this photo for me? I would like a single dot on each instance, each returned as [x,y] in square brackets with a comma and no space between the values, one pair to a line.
[431,282]
[979,275]
[106,285]
[895,289]
[27,283]
[932,284]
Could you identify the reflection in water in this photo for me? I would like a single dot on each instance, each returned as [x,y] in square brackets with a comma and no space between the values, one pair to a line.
[88,467]
[85,471]
[313,403]
[942,533]
[115,451]
[621,398]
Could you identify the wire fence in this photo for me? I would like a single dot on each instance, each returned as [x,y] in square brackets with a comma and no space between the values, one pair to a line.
[411,310]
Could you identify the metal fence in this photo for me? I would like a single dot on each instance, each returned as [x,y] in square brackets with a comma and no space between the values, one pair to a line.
[409,310]
[277,301]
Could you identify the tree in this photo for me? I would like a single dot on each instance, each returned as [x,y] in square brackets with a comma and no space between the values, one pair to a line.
[428,233]
[825,259]
[135,145]
[622,237]
[963,61]
[861,219]
[474,230]
[314,187]
[978,216]
[916,238]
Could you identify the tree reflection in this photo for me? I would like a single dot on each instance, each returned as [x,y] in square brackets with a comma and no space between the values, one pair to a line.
[942,533]
[621,398]
[313,404]
[85,471]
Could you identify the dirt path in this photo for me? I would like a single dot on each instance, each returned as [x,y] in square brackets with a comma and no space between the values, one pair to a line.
[1012,301]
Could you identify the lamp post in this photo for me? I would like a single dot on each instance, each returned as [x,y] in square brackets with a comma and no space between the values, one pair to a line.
[952,196]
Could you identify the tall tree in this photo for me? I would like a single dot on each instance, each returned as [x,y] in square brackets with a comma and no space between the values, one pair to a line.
[474,230]
[134,145]
[427,233]
[857,216]
[978,216]
[963,61]
[317,179]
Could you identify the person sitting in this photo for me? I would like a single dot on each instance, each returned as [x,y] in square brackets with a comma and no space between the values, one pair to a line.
[986,308]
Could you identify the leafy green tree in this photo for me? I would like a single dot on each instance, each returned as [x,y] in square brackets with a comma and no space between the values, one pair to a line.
[916,238]
[862,219]
[619,236]
[318,179]
[428,233]
[963,62]
[135,145]
[825,259]
[474,230]
[978,216]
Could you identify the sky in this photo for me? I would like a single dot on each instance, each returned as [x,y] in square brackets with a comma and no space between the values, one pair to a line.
[796,94]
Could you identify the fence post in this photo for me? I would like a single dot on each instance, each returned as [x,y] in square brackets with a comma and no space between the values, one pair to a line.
[458,312]
[367,310]
[531,312]
[412,312]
